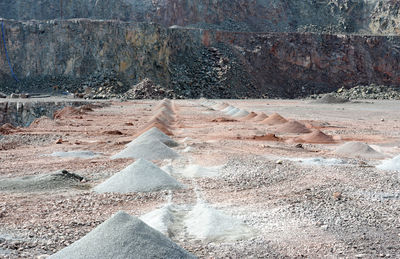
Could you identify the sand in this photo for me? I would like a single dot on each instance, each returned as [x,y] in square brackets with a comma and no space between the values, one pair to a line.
[292,127]
[260,117]
[150,150]
[141,176]
[207,223]
[316,136]
[160,219]
[274,119]
[358,149]
[123,236]
[154,134]
[391,164]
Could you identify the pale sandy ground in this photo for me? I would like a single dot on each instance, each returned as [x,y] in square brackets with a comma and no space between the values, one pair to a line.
[294,209]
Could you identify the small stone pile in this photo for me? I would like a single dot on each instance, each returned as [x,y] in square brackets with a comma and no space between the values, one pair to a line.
[378,92]
[147,89]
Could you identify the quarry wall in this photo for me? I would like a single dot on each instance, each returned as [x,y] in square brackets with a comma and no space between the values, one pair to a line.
[185,60]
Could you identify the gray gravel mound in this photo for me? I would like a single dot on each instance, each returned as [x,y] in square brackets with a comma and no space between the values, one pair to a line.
[358,149]
[123,236]
[240,113]
[330,98]
[35,183]
[149,150]
[153,134]
[141,176]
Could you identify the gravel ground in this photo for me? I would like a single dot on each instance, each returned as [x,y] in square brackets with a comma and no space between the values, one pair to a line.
[350,209]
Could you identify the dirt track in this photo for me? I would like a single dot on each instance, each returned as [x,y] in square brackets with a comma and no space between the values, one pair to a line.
[295,209]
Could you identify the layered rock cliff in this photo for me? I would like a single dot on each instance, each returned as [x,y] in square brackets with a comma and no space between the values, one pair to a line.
[197,62]
[329,16]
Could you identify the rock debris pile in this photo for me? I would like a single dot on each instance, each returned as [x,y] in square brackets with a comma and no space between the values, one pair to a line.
[141,176]
[123,236]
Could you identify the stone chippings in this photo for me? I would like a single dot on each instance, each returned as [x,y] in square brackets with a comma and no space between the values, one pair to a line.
[372,91]
[123,236]
[141,176]
[341,208]
[152,134]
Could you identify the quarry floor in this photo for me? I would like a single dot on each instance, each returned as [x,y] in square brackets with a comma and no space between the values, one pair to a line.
[347,209]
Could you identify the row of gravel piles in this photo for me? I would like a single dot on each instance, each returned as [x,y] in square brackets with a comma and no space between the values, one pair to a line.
[279,124]
[125,236]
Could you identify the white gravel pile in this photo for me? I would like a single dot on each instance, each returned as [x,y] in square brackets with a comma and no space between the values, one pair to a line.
[232,111]
[358,149]
[153,134]
[391,164]
[228,109]
[141,176]
[123,236]
[149,150]
[207,223]
[160,219]
[240,113]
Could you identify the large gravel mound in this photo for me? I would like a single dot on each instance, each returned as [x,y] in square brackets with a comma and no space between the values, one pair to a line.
[141,176]
[358,149]
[150,150]
[123,236]
[154,134]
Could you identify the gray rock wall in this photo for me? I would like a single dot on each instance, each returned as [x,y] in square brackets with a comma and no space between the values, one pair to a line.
[329,16]
[195,62]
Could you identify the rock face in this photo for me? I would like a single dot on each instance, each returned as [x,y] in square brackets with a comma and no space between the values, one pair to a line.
[211,48]
[350,16]
[24,113]
[194,62]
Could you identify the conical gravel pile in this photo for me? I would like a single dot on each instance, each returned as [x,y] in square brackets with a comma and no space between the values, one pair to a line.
[249,116]
[316,136]
[123,236]
[274,119]
[240,114]
[150,150]
[141,176]
[260,117]
[358,149]
[292,127]
[153,134]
